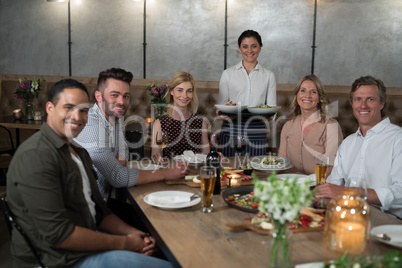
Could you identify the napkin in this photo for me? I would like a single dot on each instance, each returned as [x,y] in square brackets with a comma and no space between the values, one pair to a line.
[166,200]
[189,156]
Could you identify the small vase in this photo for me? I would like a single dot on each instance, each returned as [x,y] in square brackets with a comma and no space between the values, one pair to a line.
[158,109]
[279,254]
[29,110]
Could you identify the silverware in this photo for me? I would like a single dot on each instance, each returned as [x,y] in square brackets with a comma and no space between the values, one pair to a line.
[384,237]
[194,196]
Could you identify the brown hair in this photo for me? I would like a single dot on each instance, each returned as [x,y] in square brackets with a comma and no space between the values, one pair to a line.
[367,81]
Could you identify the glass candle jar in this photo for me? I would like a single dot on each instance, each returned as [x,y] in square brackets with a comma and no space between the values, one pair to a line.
[233,181]
[37,116]
[347,224]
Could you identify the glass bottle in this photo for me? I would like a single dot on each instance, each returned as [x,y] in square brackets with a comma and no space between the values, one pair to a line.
[214,160]
[347,224]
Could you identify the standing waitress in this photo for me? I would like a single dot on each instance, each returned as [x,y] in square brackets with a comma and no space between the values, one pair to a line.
[246,83]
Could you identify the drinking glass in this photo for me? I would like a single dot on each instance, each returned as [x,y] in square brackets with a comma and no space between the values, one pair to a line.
[208,177]
[359,183]
[321,163]
[240,144]
[161,139]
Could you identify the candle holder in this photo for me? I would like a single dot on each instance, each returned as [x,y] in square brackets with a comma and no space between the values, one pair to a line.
[347,224]
[17,113]
[233,181]
[37,116]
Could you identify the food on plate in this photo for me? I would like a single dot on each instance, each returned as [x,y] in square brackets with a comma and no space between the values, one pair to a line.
[271,161]
[247,170]
[230,103]
[264,106]
[190,177]
[307,218]
[245,201]
[262,220]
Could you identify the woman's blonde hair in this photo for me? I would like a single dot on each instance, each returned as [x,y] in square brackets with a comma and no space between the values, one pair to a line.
[322,97]
[177,79]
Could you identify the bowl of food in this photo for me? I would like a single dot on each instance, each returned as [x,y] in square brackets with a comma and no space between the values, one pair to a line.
[247,170]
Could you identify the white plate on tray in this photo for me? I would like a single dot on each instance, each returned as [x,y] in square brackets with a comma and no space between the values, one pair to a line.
[171,199]
[256,110]
[300,178]
[230,109]
[393,231]
[283,163]
[143,165]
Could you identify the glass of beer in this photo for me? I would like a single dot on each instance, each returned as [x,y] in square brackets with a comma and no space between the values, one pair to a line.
[321,163]
[207,177]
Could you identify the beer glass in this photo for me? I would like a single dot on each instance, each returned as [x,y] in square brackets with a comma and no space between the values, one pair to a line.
[207,177]
[321,163]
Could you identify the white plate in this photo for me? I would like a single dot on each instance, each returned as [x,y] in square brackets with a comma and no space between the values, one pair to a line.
[256,163]
[393,231]
[230,109]
[169,194]
[256,110]
[300,178]
[198,158]
[143,165]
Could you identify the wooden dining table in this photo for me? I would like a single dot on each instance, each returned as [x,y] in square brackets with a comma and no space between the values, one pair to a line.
[17,124]
[190,238]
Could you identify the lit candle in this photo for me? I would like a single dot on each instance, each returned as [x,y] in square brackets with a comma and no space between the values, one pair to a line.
[350,237]
[234,181]
[149,121]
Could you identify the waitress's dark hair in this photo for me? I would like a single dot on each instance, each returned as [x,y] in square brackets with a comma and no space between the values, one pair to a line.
[249,33]
[60,86]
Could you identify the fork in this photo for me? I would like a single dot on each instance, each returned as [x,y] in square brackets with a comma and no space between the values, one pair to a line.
[384,237]
[194,196]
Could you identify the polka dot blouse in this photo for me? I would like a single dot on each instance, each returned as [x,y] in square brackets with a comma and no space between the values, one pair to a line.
[182,135]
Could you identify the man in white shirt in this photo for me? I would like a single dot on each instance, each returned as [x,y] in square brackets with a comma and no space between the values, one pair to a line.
[373,153]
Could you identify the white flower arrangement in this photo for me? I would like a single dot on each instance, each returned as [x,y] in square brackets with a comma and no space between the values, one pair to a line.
[282,199]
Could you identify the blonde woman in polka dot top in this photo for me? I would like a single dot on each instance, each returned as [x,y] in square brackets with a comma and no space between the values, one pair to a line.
[184,129]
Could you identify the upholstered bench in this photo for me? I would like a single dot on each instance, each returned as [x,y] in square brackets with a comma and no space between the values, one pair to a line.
[208,97]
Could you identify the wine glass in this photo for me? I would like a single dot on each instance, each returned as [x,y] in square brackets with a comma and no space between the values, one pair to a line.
[360,184]
[240,144]
[161,139]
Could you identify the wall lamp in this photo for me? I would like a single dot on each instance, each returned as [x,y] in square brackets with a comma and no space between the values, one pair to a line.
[69,32]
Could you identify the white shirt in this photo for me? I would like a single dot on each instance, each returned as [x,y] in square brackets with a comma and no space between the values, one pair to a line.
[377,158]
[86,187]
[258,87]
